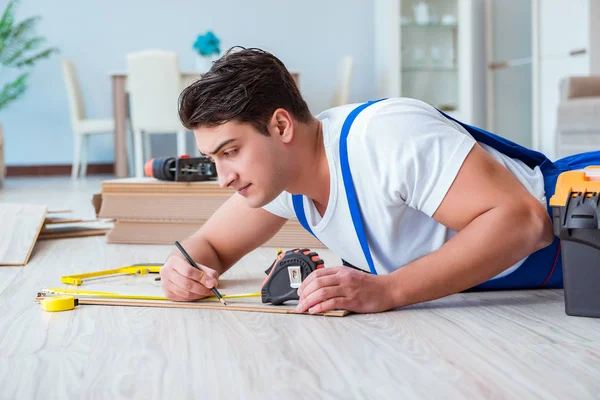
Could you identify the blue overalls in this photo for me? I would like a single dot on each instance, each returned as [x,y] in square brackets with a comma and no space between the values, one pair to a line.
[541,269]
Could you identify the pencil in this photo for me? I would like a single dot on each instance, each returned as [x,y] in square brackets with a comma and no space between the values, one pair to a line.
[193,264]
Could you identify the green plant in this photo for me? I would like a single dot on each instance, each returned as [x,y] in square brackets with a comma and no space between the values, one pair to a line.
[19,48]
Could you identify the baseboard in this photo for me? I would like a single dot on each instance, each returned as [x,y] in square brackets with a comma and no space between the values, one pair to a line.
[56,169]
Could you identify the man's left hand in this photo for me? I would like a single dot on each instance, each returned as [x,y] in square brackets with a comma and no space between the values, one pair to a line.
[343,288]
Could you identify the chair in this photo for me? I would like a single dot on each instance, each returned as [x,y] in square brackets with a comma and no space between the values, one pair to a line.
[82,127]
[578,116]
[344,75]
[154,83]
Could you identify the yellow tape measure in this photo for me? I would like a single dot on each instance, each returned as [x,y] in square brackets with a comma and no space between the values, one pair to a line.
[59,303]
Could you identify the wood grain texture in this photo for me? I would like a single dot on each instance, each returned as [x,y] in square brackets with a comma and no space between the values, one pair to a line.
[59,220]
[20,225]
[489,345]
[72,232]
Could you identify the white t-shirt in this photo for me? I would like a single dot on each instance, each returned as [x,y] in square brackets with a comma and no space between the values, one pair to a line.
[403,155]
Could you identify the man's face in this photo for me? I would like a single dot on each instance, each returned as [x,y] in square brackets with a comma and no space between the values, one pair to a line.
[246,160]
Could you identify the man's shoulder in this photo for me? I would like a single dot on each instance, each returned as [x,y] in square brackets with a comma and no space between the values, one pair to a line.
[404,109]
[337,113]
[390,126]
[384,116]
[396,120]
[400,105]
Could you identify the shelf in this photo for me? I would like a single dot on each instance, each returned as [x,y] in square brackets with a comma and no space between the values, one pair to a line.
[440,26]
[429,69]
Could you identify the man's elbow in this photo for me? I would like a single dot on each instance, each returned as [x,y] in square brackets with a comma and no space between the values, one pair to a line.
[538,226]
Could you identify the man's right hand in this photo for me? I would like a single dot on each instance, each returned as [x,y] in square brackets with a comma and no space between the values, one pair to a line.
[182,282]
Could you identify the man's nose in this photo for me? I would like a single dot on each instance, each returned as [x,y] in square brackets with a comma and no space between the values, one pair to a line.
[226,177]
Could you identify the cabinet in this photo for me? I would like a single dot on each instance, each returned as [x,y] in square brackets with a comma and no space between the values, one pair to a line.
[432,50]
[561,47]
[547,41]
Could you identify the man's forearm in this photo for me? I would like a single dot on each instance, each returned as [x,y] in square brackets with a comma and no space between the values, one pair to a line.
[201,252]
[491,243]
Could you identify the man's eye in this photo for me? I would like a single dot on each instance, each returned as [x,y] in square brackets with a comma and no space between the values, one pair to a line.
[229,153]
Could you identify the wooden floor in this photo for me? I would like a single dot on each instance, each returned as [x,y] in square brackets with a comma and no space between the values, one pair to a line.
[518,345]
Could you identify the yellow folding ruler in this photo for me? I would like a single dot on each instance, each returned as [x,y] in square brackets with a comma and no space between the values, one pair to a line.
[58,299]
[112,295]
[137,269]
[61,299]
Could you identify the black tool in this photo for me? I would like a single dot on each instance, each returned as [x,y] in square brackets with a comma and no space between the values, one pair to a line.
[181,169]
[286,274]
[193,264]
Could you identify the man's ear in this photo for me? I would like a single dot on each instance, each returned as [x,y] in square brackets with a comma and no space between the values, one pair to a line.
[281,125]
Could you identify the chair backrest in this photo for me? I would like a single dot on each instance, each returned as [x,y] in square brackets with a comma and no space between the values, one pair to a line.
[154,83]
[575,87]
[74,94]
[344,76]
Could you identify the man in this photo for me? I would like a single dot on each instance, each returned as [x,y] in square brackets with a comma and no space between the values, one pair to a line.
[396,188]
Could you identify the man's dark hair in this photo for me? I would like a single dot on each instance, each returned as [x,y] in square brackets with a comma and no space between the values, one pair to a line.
[245,85]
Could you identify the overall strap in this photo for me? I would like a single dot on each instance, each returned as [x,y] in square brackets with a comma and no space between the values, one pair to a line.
[349,184]
[298,200]
[530,157]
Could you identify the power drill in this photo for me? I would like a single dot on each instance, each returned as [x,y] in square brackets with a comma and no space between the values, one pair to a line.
[181,169]
[286,274]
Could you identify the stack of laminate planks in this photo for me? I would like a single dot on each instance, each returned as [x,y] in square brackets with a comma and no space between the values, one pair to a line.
[151,211]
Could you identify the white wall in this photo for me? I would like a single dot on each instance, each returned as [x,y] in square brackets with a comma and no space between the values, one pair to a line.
[595,37]
[512,86]
[309,36]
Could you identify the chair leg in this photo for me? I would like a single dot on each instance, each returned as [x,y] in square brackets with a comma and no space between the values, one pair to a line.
[130,152]
[76,152]
[147,146]
[181,147]
[84,154]
[195,150]
[138,153]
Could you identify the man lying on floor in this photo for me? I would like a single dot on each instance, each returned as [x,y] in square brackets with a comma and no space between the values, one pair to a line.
[422,205]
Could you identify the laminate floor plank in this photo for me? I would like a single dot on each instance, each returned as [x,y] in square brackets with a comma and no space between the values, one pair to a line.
[21,224]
